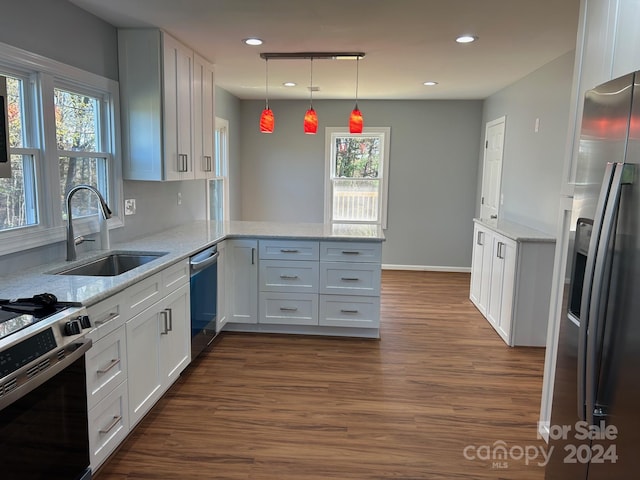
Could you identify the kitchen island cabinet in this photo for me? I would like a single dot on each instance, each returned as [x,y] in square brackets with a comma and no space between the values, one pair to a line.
[511,273]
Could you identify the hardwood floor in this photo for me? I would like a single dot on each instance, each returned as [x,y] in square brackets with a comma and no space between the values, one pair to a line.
[310,408]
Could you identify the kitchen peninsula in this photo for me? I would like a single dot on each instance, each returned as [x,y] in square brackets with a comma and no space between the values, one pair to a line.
[271,277]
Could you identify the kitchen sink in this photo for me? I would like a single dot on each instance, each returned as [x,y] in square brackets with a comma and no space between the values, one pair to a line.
[115,263]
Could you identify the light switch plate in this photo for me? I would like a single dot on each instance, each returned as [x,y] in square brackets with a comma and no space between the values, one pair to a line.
[130,206]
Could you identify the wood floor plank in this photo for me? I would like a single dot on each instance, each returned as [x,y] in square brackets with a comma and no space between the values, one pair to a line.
[261,406]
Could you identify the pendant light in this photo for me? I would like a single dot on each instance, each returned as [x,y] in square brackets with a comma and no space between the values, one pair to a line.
[310,117]
[355,119]
[267,119]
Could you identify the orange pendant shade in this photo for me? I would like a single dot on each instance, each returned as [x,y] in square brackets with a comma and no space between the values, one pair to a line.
[310,121]
[355,121]
[267,121]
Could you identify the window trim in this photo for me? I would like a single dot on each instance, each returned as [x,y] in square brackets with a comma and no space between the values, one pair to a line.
[44,75]
[330,134]
[221,124]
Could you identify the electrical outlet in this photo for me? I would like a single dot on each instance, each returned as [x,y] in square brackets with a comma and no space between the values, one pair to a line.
[130,206]
[536,125]
[179,198]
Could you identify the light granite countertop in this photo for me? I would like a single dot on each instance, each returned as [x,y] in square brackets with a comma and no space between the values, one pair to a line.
[516,231]
[179,243]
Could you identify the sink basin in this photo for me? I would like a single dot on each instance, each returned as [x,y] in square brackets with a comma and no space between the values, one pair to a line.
[115,263]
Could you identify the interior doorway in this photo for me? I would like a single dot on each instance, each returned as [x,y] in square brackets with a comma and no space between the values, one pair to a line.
[492,169]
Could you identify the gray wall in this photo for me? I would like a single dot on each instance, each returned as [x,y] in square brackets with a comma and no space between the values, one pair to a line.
[59,30]
[532,162]
[432,172]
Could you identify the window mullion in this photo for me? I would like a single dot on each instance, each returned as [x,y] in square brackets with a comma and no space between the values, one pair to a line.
[50,180]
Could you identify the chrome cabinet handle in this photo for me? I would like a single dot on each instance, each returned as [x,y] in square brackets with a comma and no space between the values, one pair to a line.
[112,363]
[108,319]
[164,316]
[207,167]
[183,162]
[493,217]
[350,252]
[289,277]
[480,238]
[289,250]
[349,279]
[288,309]
[348,311]
[170,329]
[499,252]
[111,426]
[253,253]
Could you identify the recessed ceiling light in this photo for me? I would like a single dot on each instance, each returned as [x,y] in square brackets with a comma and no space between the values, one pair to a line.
[466,39]
[252,41]
[289,84]
[430,83]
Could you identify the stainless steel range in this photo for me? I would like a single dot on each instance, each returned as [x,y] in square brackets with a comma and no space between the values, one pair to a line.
[43,399]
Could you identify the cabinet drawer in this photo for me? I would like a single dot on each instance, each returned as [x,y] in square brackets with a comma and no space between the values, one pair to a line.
[106,364]
[288,276]
[288,250]
[349,311]
[350,278]
[144,294]
[107,316]
[351,252]
[175,276]
[289,308]
[108,425]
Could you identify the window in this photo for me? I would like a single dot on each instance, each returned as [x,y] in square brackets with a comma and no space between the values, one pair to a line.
[79,139]
[61,133]
[218,186]
[18,194]
[356,176]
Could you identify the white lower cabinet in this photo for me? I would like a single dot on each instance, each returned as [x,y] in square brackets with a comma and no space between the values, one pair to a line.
[511,281]
[157,350]
[242,280]
[108,425]
[349,311]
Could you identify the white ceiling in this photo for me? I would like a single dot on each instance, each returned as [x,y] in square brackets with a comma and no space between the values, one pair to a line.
[406,42]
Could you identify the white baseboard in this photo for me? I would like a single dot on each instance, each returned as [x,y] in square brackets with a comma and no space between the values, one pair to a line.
[426,268]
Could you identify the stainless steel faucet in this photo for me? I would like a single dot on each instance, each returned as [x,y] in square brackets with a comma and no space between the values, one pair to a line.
[104,231]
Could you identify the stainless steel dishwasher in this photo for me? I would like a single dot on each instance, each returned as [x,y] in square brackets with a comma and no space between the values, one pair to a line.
[204,299]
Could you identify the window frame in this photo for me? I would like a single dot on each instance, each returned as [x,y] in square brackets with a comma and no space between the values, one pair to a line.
[221,167]
[331,133]
[44,75]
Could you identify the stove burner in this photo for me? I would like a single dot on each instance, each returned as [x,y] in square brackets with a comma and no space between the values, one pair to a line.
[17,314]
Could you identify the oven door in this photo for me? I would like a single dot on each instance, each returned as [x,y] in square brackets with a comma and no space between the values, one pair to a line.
[204,299]
[43,423]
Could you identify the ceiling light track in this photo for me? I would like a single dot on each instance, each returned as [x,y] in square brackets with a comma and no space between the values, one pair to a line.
[312,55]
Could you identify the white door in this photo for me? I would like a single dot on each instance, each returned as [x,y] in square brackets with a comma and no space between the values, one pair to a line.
[492,168]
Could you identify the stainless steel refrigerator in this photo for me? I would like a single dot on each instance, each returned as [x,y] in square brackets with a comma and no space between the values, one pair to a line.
[595,419]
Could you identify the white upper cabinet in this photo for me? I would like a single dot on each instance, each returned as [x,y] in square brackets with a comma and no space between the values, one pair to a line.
[167,107]
[203,118]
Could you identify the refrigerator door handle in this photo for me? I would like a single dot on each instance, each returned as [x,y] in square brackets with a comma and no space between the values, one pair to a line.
[587,285]
[623,175]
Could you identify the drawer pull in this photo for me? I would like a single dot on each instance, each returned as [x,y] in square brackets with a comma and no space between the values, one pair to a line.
[348,311]
[112,363]
[349,279]
[108,319]
[289,277]
[111,426]
[289,250]
[288,309]
[350,252]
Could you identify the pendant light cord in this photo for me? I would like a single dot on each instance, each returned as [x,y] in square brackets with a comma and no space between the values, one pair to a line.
[357,72]
[311,87]
[266,61]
